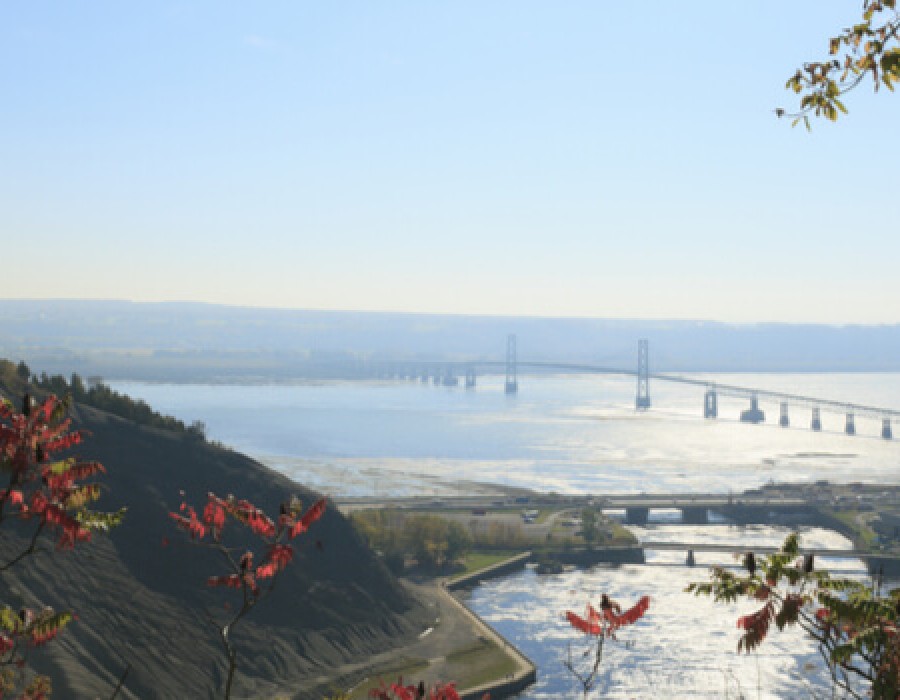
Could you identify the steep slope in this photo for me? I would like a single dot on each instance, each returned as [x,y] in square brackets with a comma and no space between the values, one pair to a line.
[145,605]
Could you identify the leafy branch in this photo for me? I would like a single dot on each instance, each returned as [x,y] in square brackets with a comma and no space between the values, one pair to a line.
[869,48]
[254,582]
[855,628]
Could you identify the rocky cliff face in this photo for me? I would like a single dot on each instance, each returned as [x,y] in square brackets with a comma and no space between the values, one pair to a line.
[145,606]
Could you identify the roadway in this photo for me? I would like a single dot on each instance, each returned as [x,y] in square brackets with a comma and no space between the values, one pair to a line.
[724,389]
[605,502]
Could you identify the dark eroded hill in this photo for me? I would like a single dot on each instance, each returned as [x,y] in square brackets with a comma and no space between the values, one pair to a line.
[146,605]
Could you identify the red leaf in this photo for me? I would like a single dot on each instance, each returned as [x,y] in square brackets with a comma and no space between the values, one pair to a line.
[580,623]
[633,614]
[309,517]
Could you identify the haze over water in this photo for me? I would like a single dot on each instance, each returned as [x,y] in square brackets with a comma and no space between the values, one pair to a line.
[574,434]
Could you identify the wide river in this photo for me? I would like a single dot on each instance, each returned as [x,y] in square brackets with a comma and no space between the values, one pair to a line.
[576,434]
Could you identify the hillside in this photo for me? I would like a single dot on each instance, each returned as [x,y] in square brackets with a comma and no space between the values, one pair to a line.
[145,604]
[208,342]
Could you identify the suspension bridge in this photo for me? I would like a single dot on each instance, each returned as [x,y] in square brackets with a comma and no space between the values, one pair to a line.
[446,373]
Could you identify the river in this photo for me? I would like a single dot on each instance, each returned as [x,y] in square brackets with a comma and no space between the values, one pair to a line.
[578,435]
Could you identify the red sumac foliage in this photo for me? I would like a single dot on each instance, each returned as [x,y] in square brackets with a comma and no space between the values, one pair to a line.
[610,617]
[398,691]
[40,489]
[602,625]
[47,491]
[243,573]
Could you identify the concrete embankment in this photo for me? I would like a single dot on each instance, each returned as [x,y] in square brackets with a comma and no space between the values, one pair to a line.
[502,568]
[574,556]
[526,672]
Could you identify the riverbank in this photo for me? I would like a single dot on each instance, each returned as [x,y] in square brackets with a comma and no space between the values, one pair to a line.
[558,544]
[458,646]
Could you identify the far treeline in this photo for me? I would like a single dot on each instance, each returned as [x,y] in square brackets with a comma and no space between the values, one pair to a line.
[100,396]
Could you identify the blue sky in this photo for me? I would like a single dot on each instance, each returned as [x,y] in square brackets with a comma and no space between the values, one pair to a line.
[534,158]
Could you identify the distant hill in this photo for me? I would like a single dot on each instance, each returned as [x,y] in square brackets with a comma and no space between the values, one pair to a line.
[144,604]
[187,341]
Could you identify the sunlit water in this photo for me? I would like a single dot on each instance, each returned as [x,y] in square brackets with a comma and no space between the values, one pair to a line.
[568,434]
[685,647]
[577,434]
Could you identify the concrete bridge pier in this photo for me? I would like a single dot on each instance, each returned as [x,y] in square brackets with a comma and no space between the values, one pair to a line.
[783,420]
[886,428]
[710,404]
[642,399]
[850,425]
[511,385]
[753,414]
[470,377]
[636,516]
[694,516]
[816,422]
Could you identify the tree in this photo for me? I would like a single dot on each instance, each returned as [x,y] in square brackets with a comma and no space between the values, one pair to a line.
[50,498]
[855,626]
[868,48]
[603,625]
[253,582]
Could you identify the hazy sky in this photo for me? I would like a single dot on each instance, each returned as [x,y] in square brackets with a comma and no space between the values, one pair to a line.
[592,158]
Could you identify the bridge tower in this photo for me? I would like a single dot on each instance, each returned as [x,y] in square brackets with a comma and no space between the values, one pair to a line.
[512,384]
[816,422]
[783,420]
[850,425]
[470,377]
[711,403]
[642,400]
[886,428]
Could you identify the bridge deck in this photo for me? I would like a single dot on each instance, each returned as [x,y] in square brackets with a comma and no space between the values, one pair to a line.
[725,389]
[740,549]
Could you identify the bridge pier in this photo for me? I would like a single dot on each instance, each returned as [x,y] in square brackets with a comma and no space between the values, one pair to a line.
[886,428]
[470,377]
[753,414]
[694,516]
[816,422]
[636,516]
[710,404]
[642,400]
[783,420]
[511,386]
[850,425]
[690,558]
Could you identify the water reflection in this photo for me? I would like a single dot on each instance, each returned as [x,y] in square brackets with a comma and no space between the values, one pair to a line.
[685,647]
